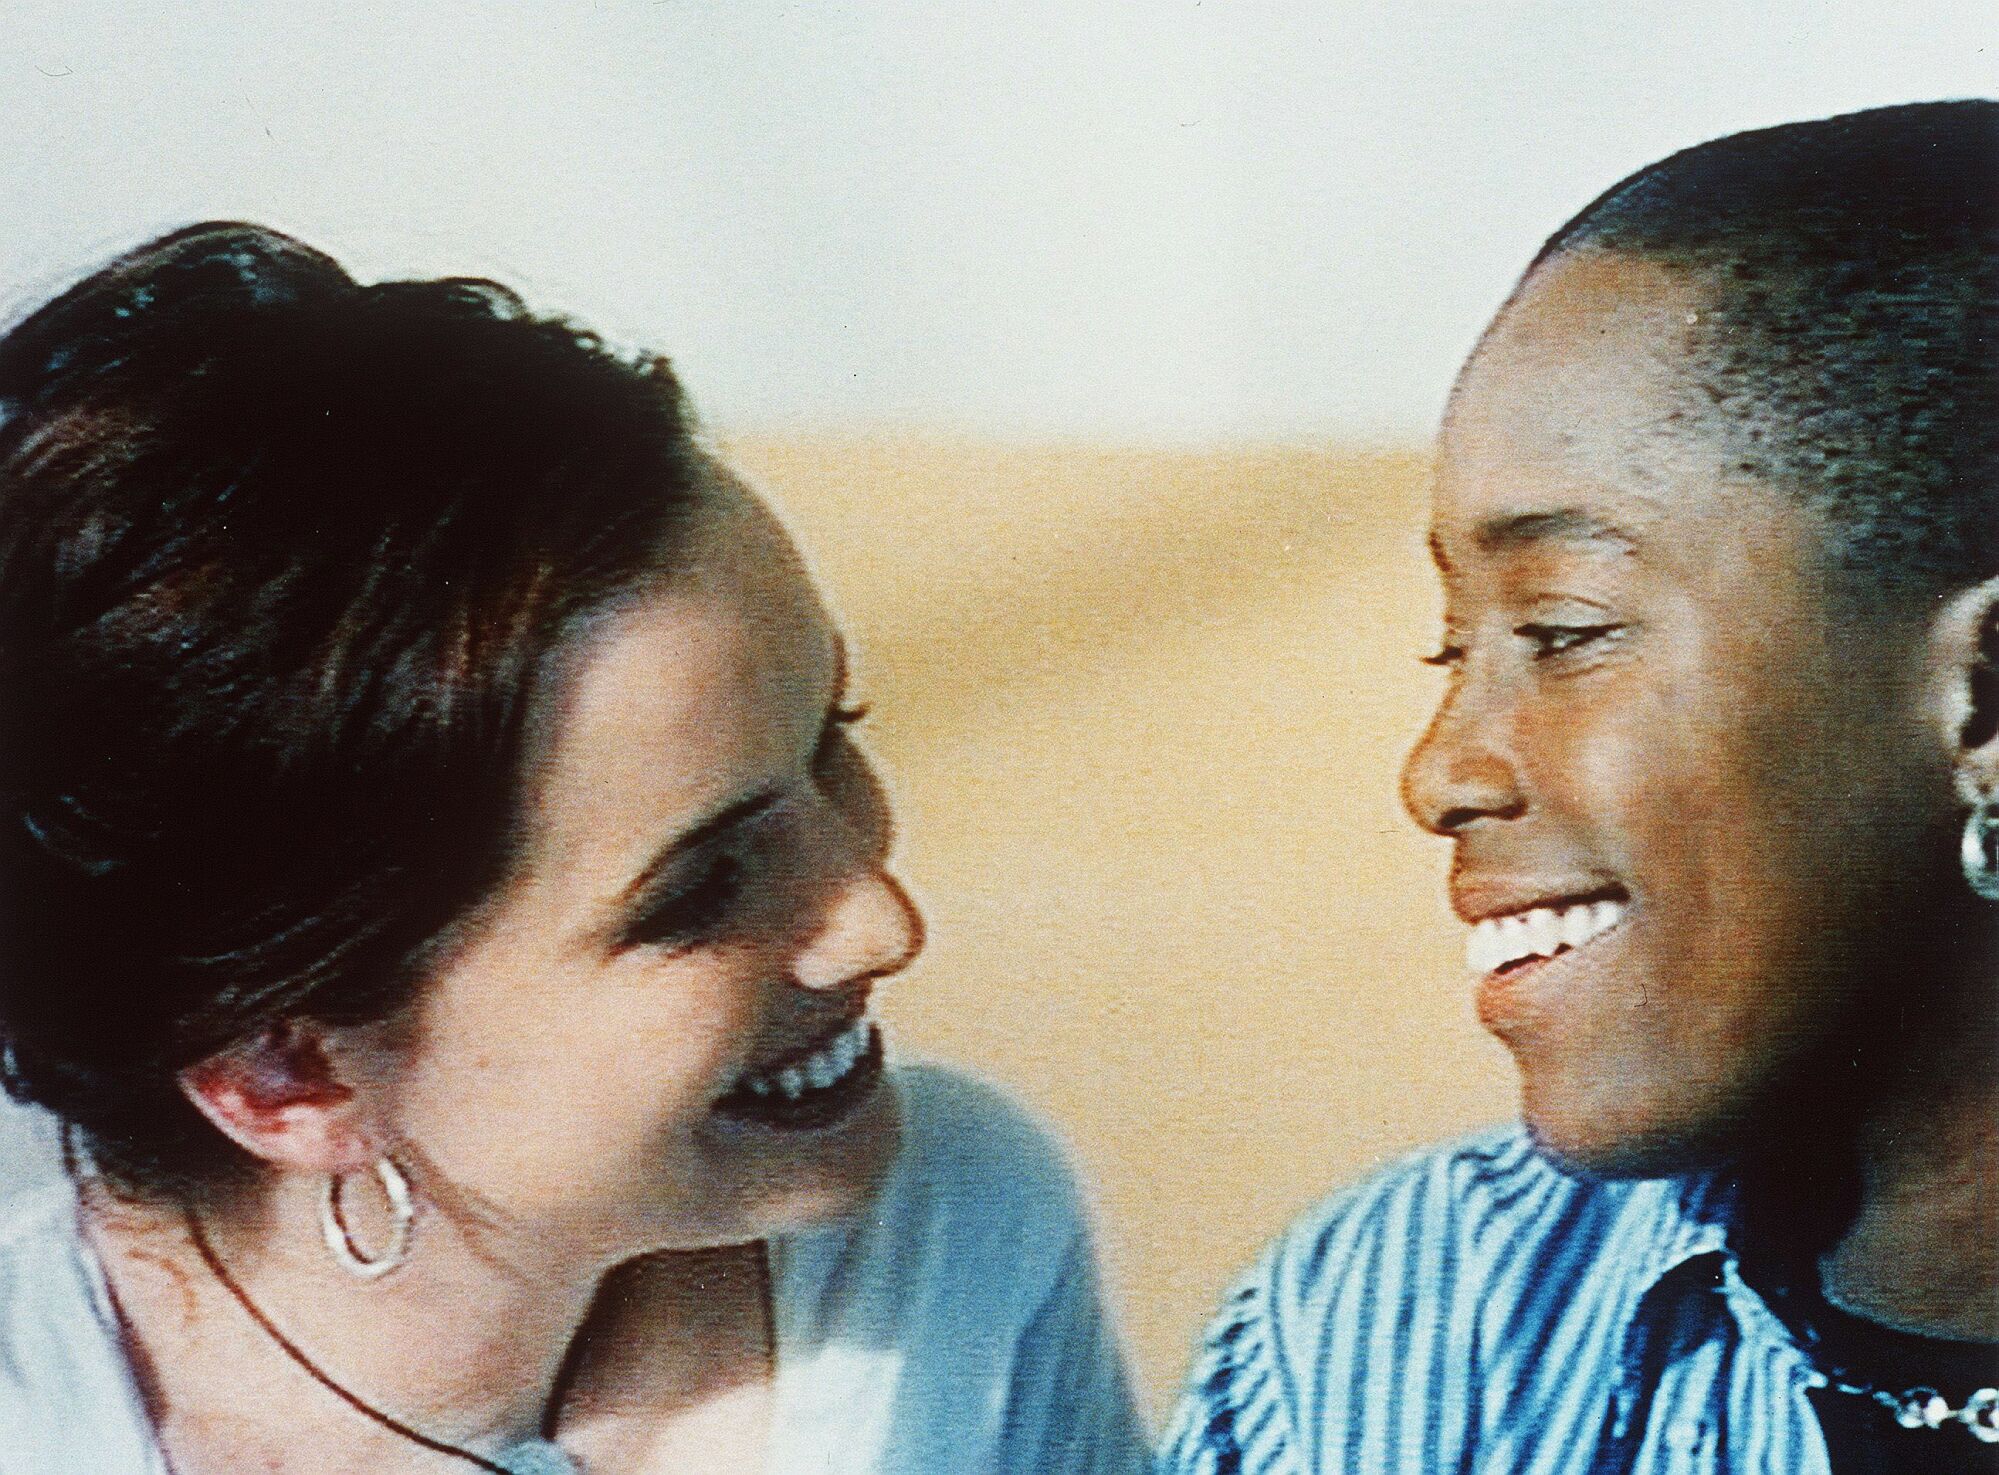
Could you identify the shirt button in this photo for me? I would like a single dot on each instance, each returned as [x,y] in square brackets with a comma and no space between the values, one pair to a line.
[1683,1435]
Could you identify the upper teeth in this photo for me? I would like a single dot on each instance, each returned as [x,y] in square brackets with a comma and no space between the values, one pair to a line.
[824,1066]
[1540,933]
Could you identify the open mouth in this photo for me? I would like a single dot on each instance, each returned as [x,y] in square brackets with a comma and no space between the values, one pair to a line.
[1502,946]
[814,1088]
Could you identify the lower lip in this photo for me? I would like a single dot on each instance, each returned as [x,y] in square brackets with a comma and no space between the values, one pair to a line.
[1500,995]
[815,1110]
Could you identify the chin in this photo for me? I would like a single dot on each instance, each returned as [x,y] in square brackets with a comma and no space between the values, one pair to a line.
[759,1181]
[829,1175]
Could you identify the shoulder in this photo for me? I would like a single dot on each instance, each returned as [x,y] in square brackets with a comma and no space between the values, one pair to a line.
[38,1237]
[926,1327]
[1011,1363]
[1485,1216]
[979,1181]
[46,1273]
[66,1400]
[30,1150]
[1371,1321]
[976,1221]
[970,1148]
[1438,1218]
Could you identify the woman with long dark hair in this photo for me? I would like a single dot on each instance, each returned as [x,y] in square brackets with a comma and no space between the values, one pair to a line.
[442,895]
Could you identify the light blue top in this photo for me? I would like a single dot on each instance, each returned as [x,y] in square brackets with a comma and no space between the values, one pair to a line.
[953,1328]
[1476,1309]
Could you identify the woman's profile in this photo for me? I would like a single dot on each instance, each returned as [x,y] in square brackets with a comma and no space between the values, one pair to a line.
[1717,519]
[442,895]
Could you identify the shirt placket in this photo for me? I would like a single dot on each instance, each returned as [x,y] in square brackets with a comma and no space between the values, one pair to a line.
[1699,1333]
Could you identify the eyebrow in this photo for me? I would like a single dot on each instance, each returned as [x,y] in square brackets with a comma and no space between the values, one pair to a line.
[1568,524]
[842,671]
[1508,530]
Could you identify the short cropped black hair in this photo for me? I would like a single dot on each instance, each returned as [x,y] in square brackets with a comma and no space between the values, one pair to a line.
[1851,351]
[286,563]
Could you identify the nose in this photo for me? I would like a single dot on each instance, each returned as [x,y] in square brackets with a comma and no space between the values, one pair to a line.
[870,929]
[1461,770]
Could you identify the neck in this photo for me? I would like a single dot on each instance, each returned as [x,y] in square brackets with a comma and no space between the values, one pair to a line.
[1920,1254]
[1921,1250]
[466,1343]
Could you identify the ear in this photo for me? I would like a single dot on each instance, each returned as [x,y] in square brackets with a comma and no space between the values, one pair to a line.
[280,1098]
[1967,640]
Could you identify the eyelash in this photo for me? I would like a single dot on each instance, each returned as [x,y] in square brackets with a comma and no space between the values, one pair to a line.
[843,715]
[1549,641]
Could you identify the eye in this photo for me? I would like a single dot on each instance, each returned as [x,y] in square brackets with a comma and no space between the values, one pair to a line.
[1447,656]
[1549,641]
[691,913]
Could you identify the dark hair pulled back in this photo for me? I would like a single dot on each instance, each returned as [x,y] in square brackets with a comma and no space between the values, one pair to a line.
[286,563]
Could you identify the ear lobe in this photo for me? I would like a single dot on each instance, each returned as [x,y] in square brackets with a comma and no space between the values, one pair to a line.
[1969,631]
[280,1098]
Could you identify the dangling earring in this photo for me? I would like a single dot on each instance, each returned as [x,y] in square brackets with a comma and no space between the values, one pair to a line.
[340,1240]
[1980,852]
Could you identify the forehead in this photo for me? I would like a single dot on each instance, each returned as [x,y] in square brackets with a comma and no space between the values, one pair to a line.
[1581,389]
[678,705]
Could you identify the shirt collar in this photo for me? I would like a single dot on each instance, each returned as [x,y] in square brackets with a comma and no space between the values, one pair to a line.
[1698,1215]
[1700,1220]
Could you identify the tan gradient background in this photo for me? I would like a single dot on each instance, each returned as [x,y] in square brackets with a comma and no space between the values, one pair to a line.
[1141,713]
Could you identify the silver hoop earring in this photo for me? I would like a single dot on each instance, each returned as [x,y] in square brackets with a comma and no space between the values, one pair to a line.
[1980,852]
[340,1240]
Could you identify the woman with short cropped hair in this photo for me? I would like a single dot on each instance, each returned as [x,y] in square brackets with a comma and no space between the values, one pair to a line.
[1717,516]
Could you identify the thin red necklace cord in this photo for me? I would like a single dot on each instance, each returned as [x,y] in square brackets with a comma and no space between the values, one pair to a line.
[291,1350]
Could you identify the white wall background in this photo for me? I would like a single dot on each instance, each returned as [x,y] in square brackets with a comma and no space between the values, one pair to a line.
[1154,220]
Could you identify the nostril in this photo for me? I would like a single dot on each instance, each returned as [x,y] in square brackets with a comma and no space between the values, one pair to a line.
[1462,770]
[1460,817]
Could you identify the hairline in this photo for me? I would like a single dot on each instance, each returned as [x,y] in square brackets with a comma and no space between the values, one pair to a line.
[1708,419]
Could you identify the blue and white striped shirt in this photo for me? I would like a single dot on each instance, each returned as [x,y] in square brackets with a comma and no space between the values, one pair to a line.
[1475,1309]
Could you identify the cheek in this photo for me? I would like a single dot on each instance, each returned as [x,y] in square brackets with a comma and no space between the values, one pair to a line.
[1676,790]
[576,1066]
[1610,771]
[661,1038]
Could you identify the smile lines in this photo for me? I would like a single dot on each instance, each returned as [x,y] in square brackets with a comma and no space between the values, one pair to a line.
[1543,932]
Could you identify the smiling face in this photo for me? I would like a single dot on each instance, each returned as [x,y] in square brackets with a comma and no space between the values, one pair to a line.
[656,1037]
[1691,795]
